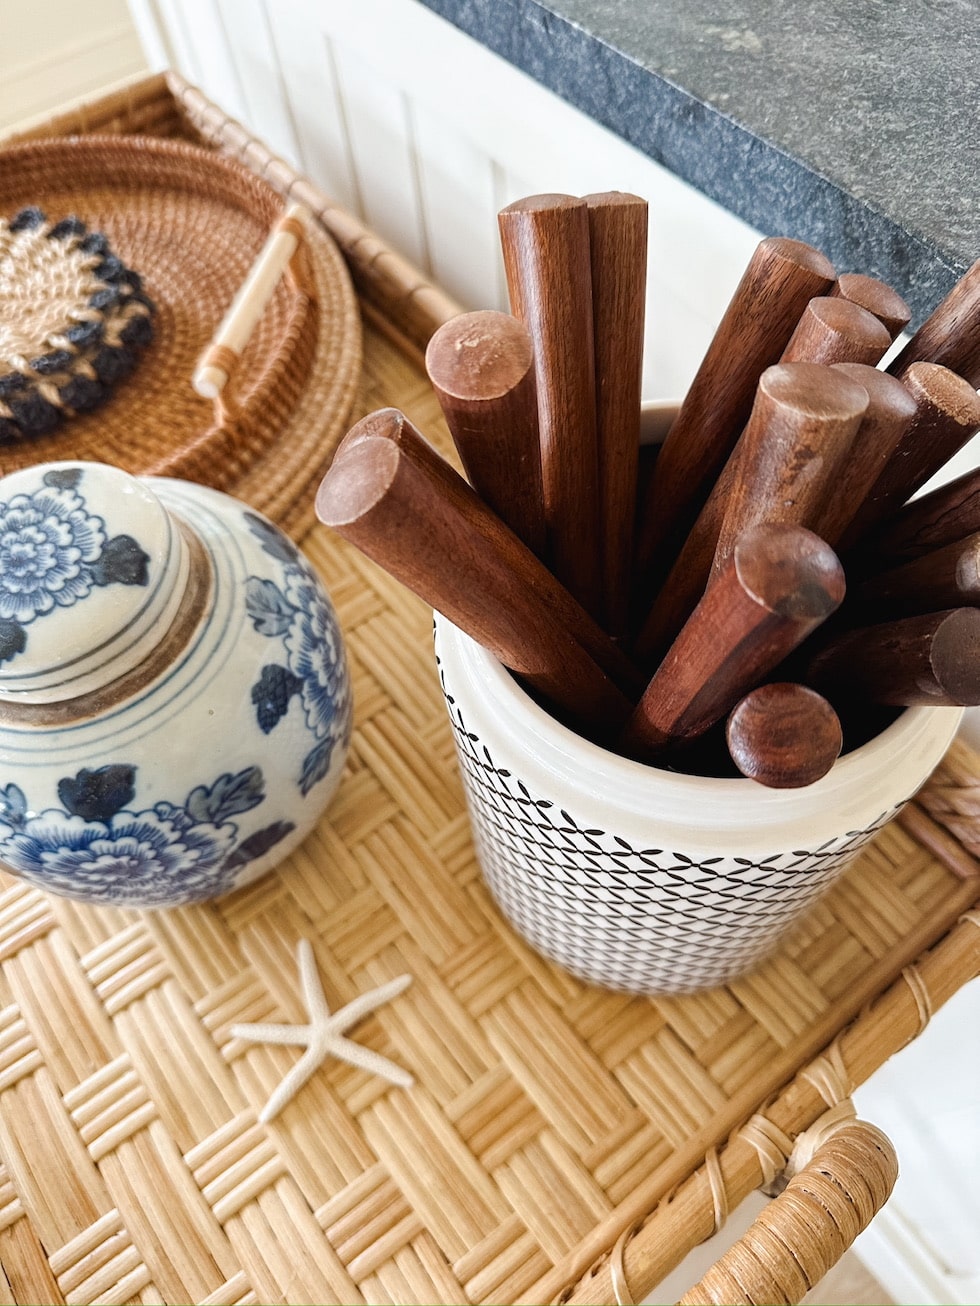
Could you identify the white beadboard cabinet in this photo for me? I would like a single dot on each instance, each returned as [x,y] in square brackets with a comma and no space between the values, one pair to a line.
[425,135]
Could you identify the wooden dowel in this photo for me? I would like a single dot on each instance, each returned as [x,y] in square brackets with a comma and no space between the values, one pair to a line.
[951,334]
[236,327]
[381,500]
[832,332]
[877,297]
[784,736]
[836,331]
[792,455]
[545,242]
[420,520]
[481,366]
[947,416]
[931,659]
[779,585]
[392,424]
[946,578]
[804,408]
[780,280]
[618,245]
[946,514]
[889,414]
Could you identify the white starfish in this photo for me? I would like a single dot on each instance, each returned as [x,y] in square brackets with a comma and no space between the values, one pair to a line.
[324,1035]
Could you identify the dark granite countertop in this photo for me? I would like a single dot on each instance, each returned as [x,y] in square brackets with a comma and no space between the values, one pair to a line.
[852,124]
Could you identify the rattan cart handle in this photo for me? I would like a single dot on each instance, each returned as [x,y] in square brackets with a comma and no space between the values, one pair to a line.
[219,358]
[807,1229]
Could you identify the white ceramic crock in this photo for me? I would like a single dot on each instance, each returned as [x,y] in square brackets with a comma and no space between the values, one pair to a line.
[175,703]
[642,879]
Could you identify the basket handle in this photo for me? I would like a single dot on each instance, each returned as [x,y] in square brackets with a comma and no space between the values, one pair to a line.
[220,357]
[810,1225]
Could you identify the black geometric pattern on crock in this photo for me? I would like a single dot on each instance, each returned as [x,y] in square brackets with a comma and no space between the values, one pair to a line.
[639,919]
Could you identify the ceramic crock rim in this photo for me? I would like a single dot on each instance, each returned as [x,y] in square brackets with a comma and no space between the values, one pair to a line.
[712,808]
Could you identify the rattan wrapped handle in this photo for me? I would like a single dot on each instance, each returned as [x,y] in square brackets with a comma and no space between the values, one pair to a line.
[228,344]
[807,1229]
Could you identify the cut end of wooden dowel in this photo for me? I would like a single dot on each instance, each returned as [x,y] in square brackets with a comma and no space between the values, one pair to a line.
[842,319]
[931,383]
[541,204]
[359,477]
[886,394]
[385,422]
[479,356]
[784,736]
[798,252]
[814,391]
[790,571]
[886,304]
[615,199]
[955,656]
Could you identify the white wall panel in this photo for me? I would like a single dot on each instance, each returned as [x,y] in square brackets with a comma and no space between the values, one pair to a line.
[382,146]
[248,24]
[317,108]
[456,182]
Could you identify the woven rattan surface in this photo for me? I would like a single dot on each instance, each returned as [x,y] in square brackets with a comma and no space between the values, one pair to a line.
[192,224]
[544,1111]
[548,1118]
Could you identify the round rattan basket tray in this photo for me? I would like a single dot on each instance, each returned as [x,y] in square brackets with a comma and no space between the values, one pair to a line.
[191,223]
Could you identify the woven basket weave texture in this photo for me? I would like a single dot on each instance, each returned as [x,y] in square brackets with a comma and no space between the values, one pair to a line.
[548,1117]
[134,1167]
[192,223]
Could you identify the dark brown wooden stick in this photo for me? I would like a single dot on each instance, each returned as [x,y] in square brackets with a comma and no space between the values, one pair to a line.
[801,409]
[481,366]
[890,412]
[784,736]
[831,331]
[545,241]
[781,278]
[946,578]
[779,585]
[618,243]
[382,501]
[836,331]
[931,659]
[457,507]
[951,334]
[877,297]
[947,415]
[940,517]
[793,452]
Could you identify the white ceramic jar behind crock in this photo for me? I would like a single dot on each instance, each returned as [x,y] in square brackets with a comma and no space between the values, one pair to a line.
[175,703]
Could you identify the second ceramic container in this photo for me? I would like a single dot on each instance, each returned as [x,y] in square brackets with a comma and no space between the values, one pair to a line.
[175,705]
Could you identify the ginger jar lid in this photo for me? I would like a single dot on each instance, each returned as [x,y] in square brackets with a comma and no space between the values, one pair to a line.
[92,568]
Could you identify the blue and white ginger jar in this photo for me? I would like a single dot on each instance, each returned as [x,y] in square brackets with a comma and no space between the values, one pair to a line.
[175,703]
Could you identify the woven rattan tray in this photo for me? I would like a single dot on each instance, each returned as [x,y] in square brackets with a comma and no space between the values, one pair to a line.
[548,1120]
[192,225]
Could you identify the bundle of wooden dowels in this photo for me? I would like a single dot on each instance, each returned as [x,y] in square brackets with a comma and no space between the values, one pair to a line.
[695,610]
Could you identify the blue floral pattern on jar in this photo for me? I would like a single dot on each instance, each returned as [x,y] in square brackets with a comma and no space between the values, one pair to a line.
[96,848]
[53,552]
[297,612]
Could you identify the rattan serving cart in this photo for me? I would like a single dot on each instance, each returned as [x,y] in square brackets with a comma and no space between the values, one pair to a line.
[561,1142]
